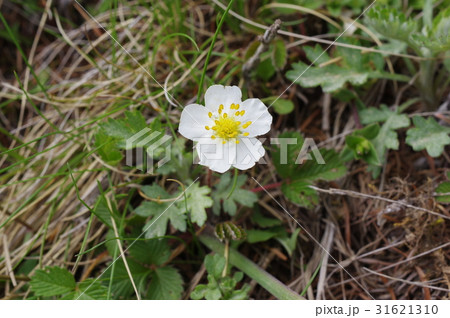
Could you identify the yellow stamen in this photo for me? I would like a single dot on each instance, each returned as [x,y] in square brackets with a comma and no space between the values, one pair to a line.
[237,141]
[224,142]
[206,127]
[237,106]
[210,114]
[242,112]
[232,106]
[213,127]
[247,124]
[213,137]
[225,115]
[216,121]
[236,114]
[245,134]
[220,110]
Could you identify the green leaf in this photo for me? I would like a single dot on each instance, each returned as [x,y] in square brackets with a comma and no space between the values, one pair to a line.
[214,264]
[199,292]
[437,37]
[293,143]
[279,54]
[219,287]
[107,148]
[300,193]
[387,138]
[444,187]
[362,149]
[90,290]
[197,200]
[166,284]
[239,195]
[331,78]
[391,23]
[263,221]
[124,128]
[102,211]
[352,68]
[255,236]
[289,243]
[151,252]
[161,212]
[52,281]
[283,106]
[265,69]
[298,177]
[316,53]
[121,286]
[429,135]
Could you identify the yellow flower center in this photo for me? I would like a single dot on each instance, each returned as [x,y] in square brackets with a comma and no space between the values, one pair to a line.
[227,126]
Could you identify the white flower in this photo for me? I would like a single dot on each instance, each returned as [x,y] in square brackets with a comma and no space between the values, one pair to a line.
[225,128]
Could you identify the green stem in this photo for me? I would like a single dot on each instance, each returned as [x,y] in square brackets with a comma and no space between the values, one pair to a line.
[234,183]
[208,56]
[267,281]
[426,83]
[226,254]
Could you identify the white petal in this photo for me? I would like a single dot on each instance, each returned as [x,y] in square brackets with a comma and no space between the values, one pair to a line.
[257,113]
[214,154]
[248,152]
[226,95]
[193,120]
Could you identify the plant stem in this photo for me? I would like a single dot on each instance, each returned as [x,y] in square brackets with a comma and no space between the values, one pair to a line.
[234,183]
[267,281]
[267,187]
[226,254]
[208,56]
[426,84]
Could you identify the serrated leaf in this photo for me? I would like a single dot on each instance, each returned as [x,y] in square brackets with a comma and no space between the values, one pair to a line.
[391,23]
[279,54]
[331,78]
[352,68]
[316,54]
[300,193]
[107,148]
[387,137]
[197,200]
[90,290]
[239,195]
[124,128]
[284,160]
[121,284]
[161,213]
[166,284]
[429,135]
[52,281]
[151,252]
